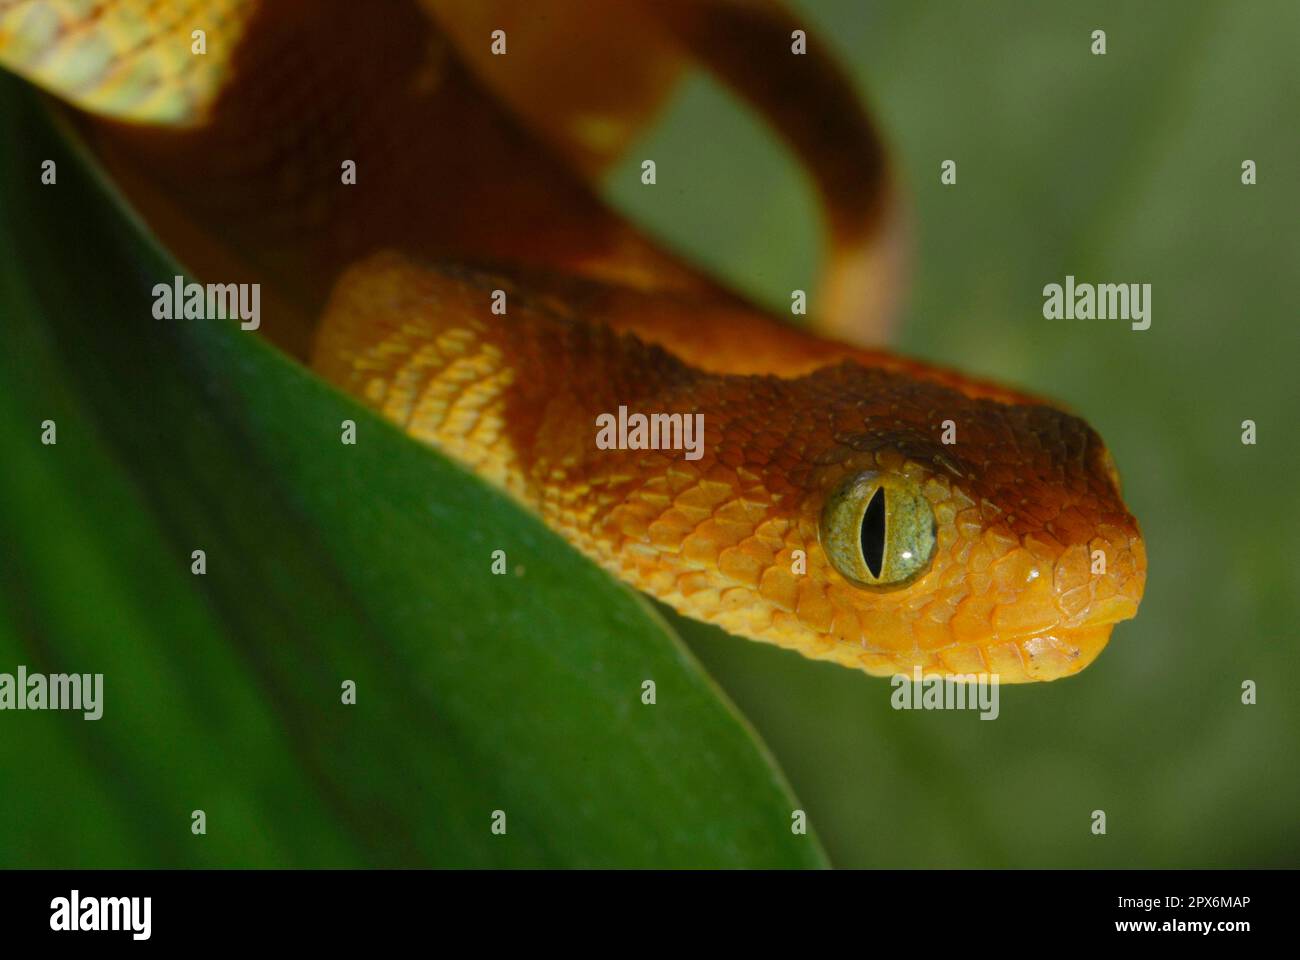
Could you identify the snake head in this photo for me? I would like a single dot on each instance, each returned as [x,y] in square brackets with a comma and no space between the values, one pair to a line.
[876,512]
[940,530]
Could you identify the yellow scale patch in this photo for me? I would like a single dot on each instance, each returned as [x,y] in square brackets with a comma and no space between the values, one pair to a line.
[131,60]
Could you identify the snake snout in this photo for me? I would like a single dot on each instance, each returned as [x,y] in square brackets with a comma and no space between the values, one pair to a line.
[1090,553]
[1050,559]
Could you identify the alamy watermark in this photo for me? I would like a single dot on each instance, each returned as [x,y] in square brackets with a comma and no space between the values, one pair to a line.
[57,691]
[1101,301]
[215,301]
[951,691]
[655,431]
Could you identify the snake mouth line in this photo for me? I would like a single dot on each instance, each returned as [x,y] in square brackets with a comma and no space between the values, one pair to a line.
[1049,654]
[1064,653]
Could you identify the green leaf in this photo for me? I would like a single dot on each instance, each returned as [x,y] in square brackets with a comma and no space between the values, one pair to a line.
[325,563]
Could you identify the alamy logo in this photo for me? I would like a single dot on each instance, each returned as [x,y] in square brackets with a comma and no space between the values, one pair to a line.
[58,691]
[215,301]
[657,431]
[1102,301]
[954,691]
[74,913]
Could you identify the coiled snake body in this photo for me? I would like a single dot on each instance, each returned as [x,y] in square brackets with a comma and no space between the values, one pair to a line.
[849,504]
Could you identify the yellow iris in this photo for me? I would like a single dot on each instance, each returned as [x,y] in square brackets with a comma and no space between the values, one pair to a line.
[878,530]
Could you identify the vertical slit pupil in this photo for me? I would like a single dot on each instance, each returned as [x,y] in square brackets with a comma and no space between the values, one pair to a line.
[873,533]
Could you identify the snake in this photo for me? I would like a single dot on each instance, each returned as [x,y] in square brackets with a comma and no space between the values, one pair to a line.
[470,285]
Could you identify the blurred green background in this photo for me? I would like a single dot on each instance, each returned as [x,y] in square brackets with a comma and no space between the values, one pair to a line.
[1122,168]
[523,692]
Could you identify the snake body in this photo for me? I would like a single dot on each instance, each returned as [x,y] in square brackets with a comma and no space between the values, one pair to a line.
[850,504]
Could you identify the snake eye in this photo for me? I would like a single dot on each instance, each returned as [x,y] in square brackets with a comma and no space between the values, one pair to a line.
[878,530]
